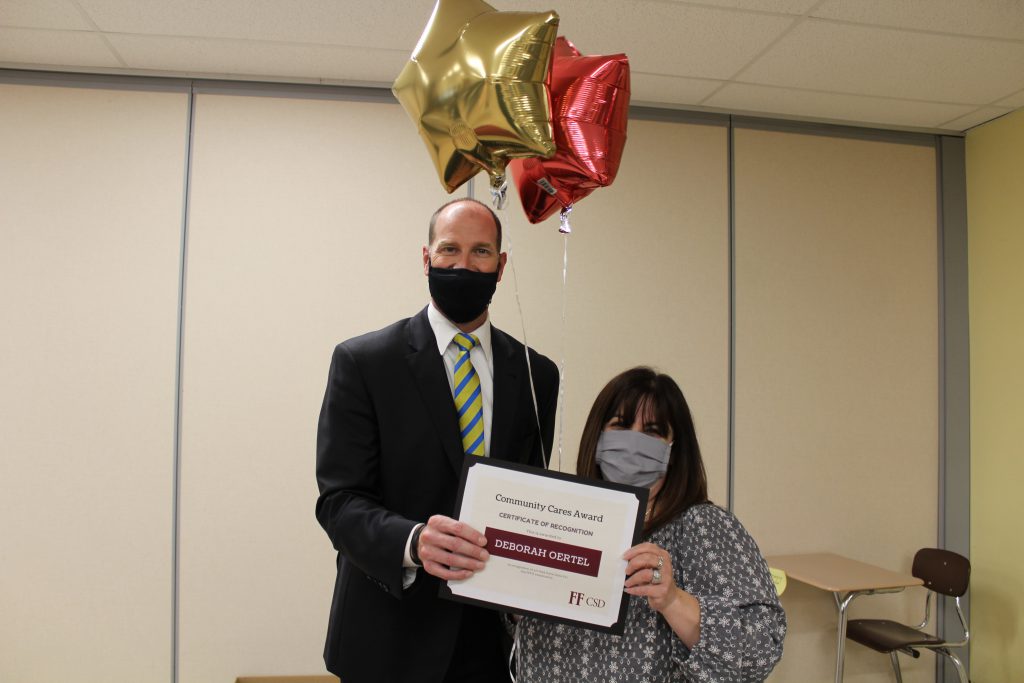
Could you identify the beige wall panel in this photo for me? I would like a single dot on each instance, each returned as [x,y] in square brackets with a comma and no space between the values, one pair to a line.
[995,174]
[648,282]
[90,224]
[836,367]
[307,222]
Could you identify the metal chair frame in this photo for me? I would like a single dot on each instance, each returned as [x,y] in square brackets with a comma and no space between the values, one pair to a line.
[942,647]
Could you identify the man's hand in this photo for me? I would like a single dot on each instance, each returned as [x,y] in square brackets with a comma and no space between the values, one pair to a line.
[451,550]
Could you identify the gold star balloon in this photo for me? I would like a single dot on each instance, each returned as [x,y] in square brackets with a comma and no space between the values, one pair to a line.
[476,86]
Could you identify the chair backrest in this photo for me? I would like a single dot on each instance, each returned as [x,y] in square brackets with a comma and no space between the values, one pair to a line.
[942,571]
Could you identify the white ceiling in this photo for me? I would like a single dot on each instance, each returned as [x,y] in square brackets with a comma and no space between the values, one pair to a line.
[906,64]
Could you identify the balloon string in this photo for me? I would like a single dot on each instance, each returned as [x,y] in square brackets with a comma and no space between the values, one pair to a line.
[512,654]
[522,322]
[561,363]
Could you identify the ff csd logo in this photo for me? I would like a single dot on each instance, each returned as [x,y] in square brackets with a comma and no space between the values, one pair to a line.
[578,599]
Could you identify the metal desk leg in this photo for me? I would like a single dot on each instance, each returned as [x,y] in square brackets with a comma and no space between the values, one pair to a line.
[842,602]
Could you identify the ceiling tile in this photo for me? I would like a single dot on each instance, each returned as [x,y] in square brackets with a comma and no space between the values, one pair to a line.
[976,118]
[834,107]
[780,6]
[40,47]
[994,19]
[226,58]
[657,89]
[822,55]
[227,18]
[56,14]
[1016,100]
[395,24]
[667,38]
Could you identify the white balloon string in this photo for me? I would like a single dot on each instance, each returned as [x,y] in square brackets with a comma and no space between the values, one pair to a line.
[512,654]
[522,321]
[561,362]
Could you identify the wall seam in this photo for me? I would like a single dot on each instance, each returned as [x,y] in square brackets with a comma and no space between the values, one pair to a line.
[176,476]
[731,412]
[954,493]
[940,612]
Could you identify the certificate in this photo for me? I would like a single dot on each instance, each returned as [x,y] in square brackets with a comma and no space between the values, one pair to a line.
[555,542]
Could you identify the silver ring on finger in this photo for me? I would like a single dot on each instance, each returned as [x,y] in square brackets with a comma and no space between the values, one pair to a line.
[655,576]
[661,562]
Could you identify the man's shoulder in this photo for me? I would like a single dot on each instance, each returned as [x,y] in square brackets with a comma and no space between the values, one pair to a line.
[538,361]
[394,335]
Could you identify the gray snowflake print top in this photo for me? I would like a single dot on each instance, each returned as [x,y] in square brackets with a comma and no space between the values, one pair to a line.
[742,624]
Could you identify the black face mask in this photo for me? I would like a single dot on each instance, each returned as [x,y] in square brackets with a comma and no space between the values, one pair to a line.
[461,294]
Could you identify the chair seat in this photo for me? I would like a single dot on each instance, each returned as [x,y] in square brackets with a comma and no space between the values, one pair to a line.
[885,636]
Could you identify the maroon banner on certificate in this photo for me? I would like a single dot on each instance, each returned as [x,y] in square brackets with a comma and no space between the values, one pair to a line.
[540,551]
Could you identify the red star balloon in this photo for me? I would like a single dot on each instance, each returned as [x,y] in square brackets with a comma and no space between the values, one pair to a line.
[476,86]
[590,107]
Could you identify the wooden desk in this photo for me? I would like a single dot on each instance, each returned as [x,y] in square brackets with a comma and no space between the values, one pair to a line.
[846,579]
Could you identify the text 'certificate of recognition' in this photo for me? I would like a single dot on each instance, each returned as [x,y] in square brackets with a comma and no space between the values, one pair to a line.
[555,542]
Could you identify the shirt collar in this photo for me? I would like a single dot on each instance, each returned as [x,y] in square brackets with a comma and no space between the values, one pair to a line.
[445,331]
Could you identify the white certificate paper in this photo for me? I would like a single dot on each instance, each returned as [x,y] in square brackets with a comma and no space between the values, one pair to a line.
[555,542]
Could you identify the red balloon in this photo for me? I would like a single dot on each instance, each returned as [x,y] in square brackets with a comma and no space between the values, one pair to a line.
[590,107]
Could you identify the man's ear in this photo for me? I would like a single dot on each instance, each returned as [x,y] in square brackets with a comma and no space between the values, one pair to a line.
[502,258]
[426,261]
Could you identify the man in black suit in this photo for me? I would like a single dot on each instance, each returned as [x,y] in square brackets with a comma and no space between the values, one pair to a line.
[389,455]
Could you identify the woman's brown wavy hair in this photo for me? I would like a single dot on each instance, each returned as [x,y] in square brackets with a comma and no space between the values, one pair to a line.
[663,404]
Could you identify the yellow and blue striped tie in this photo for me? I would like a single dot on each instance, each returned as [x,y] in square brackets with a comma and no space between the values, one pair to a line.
[469,401]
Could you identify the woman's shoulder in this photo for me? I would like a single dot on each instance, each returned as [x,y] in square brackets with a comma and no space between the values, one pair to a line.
[706,531]
[706,518]
[707,514]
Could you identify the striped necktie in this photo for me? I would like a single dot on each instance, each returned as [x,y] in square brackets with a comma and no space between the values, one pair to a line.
[468,400]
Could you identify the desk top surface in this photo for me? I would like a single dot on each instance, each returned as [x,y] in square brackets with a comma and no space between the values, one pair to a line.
[840,574]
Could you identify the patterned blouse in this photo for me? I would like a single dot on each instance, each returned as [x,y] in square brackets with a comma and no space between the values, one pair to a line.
[742,624]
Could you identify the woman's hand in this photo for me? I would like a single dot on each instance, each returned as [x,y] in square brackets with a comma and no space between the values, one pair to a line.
[649,574]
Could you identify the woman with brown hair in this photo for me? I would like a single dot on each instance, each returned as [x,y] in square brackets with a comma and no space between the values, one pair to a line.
[704,607]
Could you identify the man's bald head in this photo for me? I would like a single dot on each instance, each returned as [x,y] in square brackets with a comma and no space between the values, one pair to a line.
[447,206]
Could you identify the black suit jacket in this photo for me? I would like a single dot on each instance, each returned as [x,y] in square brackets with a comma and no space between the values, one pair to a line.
[388,457]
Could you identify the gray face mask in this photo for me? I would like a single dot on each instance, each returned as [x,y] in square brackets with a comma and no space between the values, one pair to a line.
[633,458]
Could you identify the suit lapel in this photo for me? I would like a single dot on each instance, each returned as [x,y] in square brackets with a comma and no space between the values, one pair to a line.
[428,370]
[507,372]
